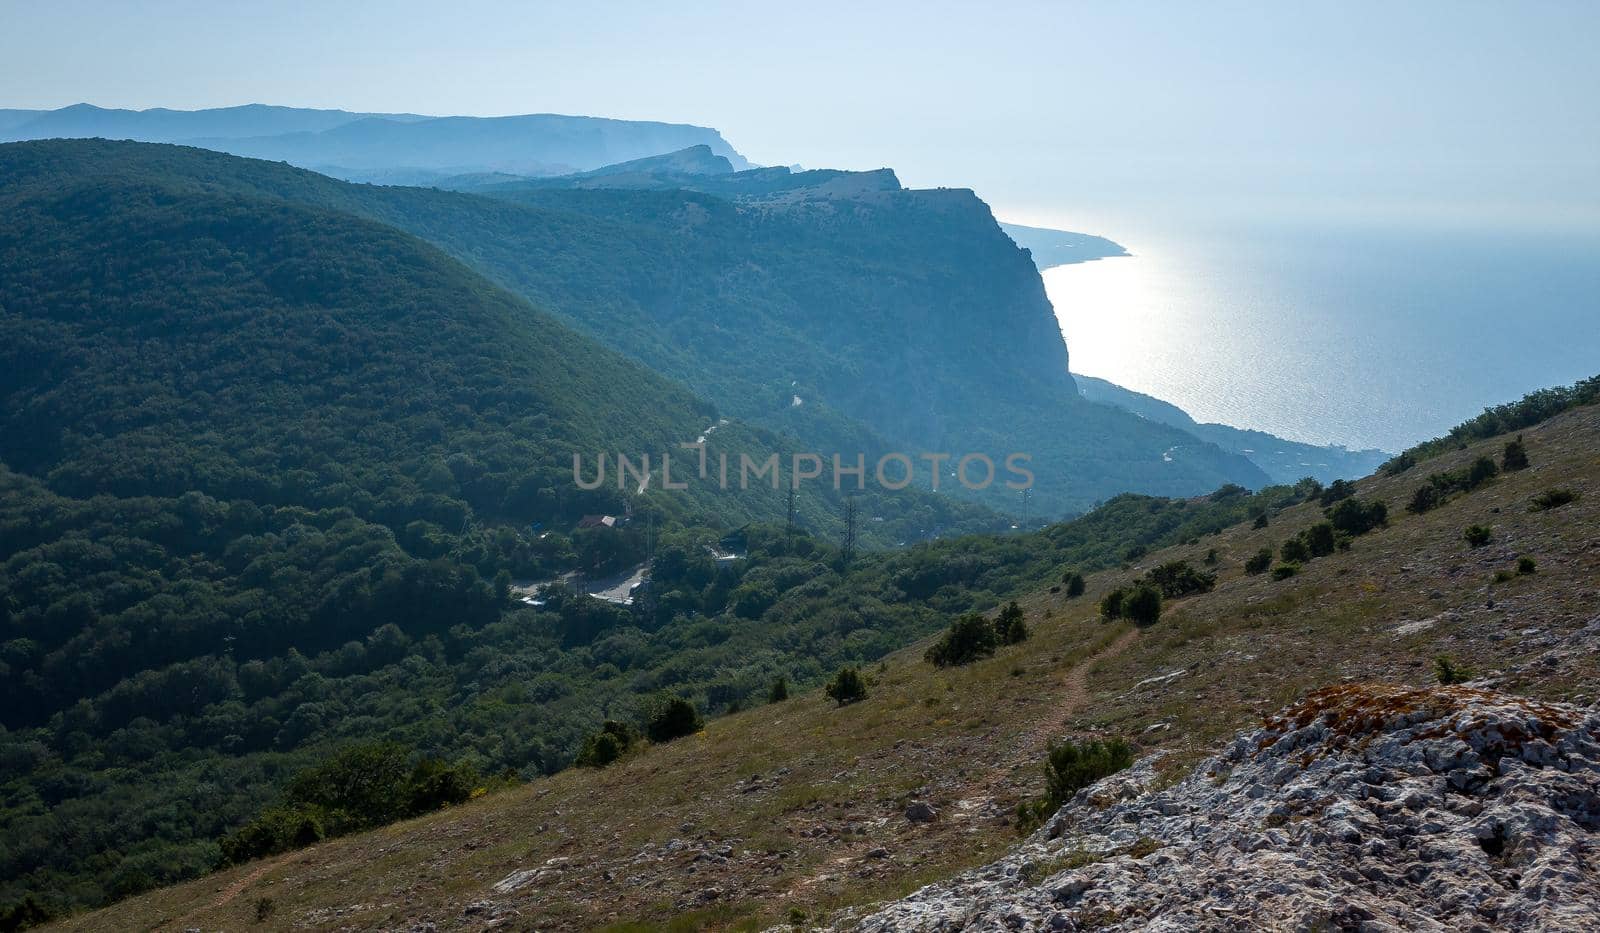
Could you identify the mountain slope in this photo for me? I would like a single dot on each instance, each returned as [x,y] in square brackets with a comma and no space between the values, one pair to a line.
[795,810]
[269,470]
[833,306]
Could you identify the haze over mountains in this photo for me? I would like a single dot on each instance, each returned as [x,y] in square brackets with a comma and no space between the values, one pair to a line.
[349,144]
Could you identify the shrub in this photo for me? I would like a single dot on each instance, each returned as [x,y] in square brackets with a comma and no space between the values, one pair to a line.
[779,691]
[1552,499]
[1177,578]
[1320,539]
[847,687]
[672,718]
[1341,489]
[1285,571]
[277,829]
[1397,465]
[264,908]
[1211,558]
[613,741]
[1010,627]
[1261,521]
[1075,584]
[1515,456]
[1142,605]
[1355,518]
[1425,499]
[1478,535]
[1481,471]
[1069,767]
[1259,562]
[1294,551]
[1448,673]
[1111,603]
[969,638]
[1527,565]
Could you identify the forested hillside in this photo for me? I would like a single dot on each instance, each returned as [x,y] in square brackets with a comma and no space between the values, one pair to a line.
[834,306]
[264,464]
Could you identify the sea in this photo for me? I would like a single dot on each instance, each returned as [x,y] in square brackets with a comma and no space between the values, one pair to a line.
[1335,333]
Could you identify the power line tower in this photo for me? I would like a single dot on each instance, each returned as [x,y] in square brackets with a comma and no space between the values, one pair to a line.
[847,546]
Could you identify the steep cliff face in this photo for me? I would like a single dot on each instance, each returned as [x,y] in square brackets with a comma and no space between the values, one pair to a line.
[780,294]
[1363,807]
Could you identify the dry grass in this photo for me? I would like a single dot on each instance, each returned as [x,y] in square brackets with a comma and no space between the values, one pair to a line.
[803,791]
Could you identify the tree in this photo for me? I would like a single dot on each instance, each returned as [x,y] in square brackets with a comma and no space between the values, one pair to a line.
[1515,456]
[611,742]
[1075,584]
[672,718]
[1294,551]
[1143,605]
[1111,603]
[847,687]
[1354,517]
[1259,562]
[779,691]
[1010,626]
[969,638]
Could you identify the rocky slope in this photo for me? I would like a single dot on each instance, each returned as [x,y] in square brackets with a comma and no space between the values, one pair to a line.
[1361,808]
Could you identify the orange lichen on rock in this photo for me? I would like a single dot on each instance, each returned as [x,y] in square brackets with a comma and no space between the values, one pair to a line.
[1354,712]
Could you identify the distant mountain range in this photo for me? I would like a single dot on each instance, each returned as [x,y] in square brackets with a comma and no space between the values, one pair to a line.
[348,144]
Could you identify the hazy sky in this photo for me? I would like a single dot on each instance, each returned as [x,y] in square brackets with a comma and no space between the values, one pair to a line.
[1045,109]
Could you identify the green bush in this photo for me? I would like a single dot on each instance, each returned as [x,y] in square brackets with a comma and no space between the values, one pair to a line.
[1069,767]
[1355,518]
[1320,539]
[1515,456]
[1552,499]
[1260,522]
[1259,562]
[1399,464]
[1010,627]
[1075,584]
[1424,499]
[1294,551]
[1527,565]
[969,638]
[847,687]
[672,718]
[278,829]
[779,691]
[611,742]
[1285,571]
[1340,489]
[1478,535]
[1449,673]
[1111,603]
[1143,605]
[1176,579]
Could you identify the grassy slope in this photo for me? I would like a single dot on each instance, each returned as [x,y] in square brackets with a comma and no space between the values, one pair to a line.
[802,792]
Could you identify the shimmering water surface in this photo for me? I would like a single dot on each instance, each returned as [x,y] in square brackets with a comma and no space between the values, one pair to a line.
[1336,336]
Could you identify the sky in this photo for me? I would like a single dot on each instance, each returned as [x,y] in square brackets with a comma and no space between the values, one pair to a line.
[1429,109]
